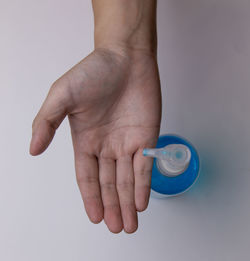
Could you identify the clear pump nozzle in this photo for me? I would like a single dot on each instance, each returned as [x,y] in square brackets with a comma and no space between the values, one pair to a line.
[172,160]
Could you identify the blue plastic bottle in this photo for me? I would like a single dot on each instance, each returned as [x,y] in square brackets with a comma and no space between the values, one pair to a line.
[175,168]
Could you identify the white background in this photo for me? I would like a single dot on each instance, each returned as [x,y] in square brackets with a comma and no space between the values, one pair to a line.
[204,59]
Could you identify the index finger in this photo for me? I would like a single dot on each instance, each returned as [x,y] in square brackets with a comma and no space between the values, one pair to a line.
[142,173]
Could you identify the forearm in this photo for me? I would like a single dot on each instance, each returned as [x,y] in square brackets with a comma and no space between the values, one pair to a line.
[125,24]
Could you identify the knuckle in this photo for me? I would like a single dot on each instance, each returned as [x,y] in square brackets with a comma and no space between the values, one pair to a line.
[144,173]
[126,205]
[55,84]
[91,198]
[61,88]
[34,123]
[111,206]
[125,185]
[108,185]
[86,179]
[146,186]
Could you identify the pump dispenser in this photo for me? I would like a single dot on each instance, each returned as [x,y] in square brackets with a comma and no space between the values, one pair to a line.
[171,160]
[176,165]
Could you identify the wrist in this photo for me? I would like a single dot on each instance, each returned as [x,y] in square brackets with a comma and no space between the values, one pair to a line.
[126,25]
[123,44]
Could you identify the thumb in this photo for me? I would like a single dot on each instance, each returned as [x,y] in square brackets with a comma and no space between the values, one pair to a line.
[48,119]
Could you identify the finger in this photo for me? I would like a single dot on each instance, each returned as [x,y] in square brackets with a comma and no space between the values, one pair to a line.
[112,212]
[48,119]
[142,172]
[125,188]
[88,182]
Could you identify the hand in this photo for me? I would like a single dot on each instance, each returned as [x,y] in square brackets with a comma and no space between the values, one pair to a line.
[113,102]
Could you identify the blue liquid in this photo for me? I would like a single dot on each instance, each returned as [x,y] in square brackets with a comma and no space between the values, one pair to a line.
[171,186]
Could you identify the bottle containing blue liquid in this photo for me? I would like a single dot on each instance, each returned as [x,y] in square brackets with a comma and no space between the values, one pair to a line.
[175,168]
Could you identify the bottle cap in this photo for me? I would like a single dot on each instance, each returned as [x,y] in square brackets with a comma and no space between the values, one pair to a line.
[172,160]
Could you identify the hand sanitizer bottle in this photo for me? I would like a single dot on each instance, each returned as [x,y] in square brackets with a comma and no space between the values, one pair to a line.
[175,168]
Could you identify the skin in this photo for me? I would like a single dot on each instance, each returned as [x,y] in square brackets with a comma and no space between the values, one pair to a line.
[112,99]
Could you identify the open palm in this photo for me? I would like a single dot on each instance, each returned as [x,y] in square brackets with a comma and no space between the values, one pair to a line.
[113,102]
